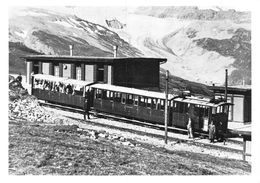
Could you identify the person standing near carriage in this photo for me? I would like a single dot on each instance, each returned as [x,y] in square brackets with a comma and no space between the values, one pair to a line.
[87,103]
[212,132]
[190,122]
[19,78]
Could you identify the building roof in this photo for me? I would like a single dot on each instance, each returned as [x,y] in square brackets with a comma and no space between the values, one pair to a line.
[80,59]
[231,89]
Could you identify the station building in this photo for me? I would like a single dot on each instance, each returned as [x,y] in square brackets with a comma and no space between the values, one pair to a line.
[135,72]
[240,96]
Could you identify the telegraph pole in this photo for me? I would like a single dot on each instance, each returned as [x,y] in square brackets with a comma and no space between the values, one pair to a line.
[226,85]
[166,107]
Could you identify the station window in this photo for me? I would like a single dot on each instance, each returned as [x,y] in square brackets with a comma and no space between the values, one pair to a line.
[129,99]
[136,100]
[78,73]
[100,73]
[123,101]
[56,71]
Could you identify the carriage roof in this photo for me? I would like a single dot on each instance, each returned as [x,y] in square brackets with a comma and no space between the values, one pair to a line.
[134,91]
[198,101]
[48,77]
[75,82]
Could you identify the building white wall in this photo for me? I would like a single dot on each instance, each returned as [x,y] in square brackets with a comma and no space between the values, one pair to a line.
[67,70]
[89,73]
[45,68]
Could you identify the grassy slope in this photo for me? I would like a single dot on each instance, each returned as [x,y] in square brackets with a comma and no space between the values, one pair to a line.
[39,149]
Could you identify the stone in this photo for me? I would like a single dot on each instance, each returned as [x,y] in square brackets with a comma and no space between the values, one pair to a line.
[102,135]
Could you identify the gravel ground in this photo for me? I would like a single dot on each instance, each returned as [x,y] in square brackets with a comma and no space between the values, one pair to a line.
[68,118]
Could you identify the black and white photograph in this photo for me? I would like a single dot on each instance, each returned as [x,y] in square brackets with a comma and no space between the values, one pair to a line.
[129,89]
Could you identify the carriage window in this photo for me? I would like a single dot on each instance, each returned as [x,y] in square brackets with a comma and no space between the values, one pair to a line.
[149,102]
[180,107]
[154,103]
[186,108]
[206,112]
[162,104]
[214,110]
[123,98]
[135,100]
[108,95]
[129,99]
[111,95]
[219,109]
[98,93]
[104,94]
[141,101]
[225,109]
[175,107]
[117,97]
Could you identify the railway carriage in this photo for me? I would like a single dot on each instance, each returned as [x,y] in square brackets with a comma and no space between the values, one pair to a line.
[61,91]
[149,106]
[129,102]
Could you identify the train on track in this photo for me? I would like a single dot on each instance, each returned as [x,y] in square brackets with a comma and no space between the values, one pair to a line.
[143,105]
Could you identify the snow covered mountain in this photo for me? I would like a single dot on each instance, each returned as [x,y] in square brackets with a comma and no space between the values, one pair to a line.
[39,31]
[198,43]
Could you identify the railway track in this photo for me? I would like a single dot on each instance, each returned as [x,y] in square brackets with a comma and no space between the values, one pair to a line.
[146,125]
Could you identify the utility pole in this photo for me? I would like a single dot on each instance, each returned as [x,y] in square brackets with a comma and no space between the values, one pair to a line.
[226,85]
[166,107]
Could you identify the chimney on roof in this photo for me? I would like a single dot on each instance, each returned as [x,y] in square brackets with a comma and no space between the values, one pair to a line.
[115,51]
[71,49]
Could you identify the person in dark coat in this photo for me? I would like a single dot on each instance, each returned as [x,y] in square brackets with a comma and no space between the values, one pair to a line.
[87,102]
[212,132]
[19,78]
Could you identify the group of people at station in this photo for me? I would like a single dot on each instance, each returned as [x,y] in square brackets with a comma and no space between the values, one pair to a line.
[190,126]
[55,86]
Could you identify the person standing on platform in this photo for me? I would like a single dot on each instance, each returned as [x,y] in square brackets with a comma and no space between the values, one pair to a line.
[212,132]
[190,122]
[87,103]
